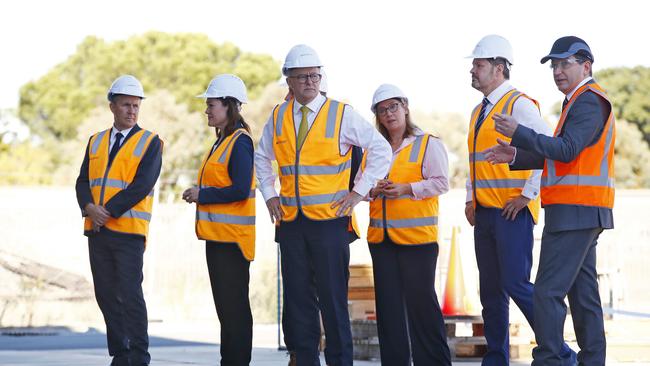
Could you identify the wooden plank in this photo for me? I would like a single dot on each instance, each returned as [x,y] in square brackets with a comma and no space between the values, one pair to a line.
[361,293]
[361,282]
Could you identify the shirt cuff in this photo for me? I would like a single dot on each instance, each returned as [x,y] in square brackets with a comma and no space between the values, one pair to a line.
[362,187]
[268,192]
[418,190]
[530,192]
[514,157]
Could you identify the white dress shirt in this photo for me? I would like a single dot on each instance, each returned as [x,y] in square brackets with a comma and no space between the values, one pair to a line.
[527,114]
[355,131]
[114,132]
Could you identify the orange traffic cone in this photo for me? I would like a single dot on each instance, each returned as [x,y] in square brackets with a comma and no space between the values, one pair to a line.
[455,299]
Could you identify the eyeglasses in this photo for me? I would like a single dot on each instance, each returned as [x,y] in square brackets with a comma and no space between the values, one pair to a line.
[391,108]
[563,64]
[302,78]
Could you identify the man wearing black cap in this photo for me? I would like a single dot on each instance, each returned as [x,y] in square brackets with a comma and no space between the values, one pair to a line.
[578,197]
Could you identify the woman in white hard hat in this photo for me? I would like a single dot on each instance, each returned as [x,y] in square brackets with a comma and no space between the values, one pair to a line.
[225,215]
[403,237]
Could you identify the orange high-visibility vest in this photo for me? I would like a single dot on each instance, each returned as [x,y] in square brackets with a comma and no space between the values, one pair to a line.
[106,181]
[232,222]
[494,185]
[316,175]
[406,220]
[587,180]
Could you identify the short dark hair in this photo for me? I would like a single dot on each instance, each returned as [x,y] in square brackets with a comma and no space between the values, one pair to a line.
[501,61]
[233,116]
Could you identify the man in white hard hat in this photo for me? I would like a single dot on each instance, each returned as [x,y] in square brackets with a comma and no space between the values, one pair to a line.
[311,137]
[355,160]
[502,205]
[115,193]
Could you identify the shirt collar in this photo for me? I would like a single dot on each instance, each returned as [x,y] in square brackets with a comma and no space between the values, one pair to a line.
[409,139]
[124,132]
[583,82]
[499,92]
[313,106]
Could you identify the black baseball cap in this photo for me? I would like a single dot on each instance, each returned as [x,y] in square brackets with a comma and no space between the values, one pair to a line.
[567,46]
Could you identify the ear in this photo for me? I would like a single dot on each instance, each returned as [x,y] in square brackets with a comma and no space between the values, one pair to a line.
[586,69]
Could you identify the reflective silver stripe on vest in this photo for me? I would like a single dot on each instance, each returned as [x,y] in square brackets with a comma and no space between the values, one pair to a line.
[98,141]
[331,119]
[602,180]
[313,199]
[278,125]
[507,104]
[140,146]
[225,219]
[415,150]
[500,183]
[133,214]
[578,180]
[477,156]
[405,223]
[251,193]
[604,166]
[316,169]
[113,183]
[222,158]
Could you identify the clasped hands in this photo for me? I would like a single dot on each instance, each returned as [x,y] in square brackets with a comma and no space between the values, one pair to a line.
[98,214]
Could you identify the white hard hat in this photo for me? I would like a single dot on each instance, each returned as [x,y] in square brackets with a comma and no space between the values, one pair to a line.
[493,46]
[385,92]
[226,85]
[126,85]
[300,56]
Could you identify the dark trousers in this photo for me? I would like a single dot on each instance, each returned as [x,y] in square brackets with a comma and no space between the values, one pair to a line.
[567,266]
[229,279]
[116,265]
[315,260]
[407,305]
[504,253]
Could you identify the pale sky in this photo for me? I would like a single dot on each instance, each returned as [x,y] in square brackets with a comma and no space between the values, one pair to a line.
[418,45]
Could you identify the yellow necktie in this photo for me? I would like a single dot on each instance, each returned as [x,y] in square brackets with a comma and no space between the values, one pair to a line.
[302,130]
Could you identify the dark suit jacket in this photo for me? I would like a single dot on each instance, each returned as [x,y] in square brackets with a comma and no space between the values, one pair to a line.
[143,182]
[583,127]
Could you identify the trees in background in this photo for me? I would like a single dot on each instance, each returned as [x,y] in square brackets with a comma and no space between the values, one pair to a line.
[63,107]
[629,89]
[182,63]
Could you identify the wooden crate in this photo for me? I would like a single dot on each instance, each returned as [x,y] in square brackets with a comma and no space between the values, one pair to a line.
[361,292]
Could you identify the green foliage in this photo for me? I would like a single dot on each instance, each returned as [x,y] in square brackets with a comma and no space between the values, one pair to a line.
[26,163]
[257,111]
[632,157]
[182,63]
[629,89]
[452,130]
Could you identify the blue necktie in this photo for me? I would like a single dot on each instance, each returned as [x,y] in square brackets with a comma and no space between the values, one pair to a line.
[481,116]
[115,148]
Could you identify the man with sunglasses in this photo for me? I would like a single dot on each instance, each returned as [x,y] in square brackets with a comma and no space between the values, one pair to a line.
[577,192]
[311,137]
